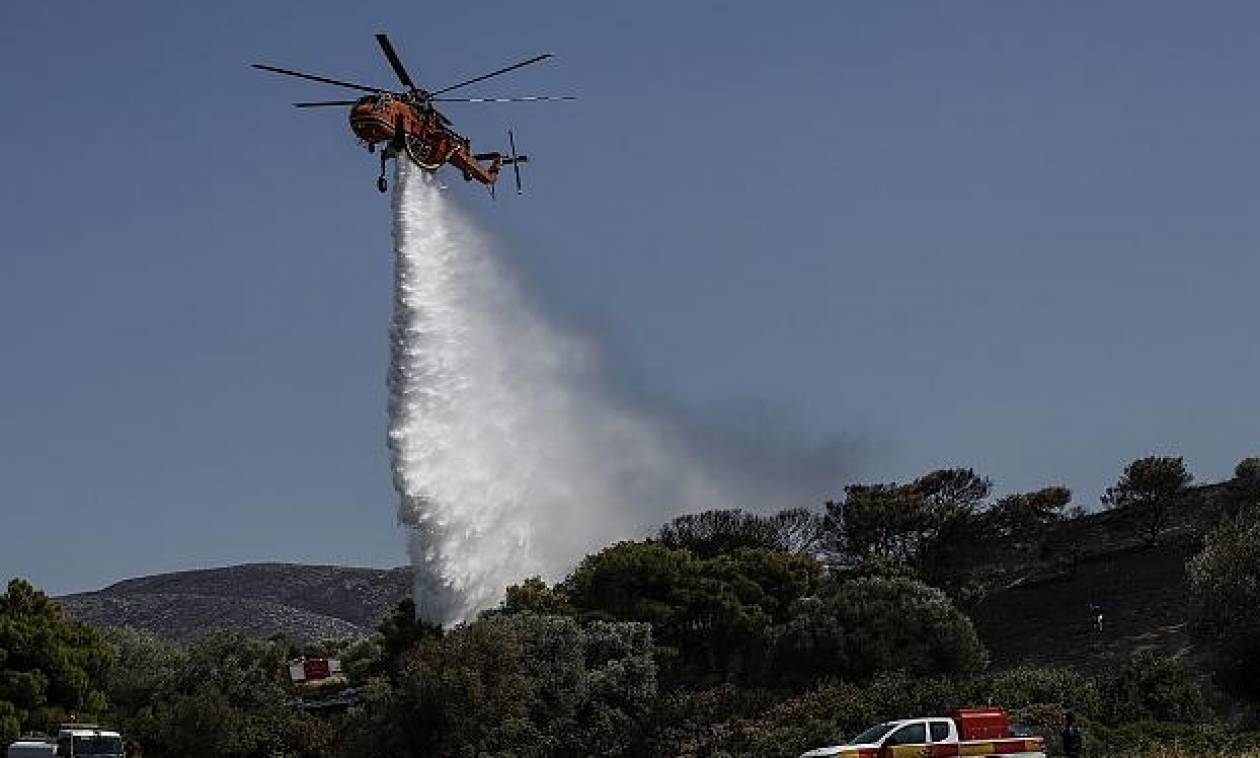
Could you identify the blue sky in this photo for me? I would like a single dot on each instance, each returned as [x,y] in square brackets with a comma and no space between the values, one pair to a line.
[1015,236]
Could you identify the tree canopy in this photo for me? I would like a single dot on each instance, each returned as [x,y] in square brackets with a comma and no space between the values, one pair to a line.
[51,667]
[929,527]
[712,618]
[1150,487]
[876,624]
[525,685]
[797,530]
[1225,592]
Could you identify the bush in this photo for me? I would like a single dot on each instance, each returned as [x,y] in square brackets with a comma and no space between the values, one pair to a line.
[872,625]
[713,618]
[1151,688]
[1169,740]
[1028,687]
[525,684]
[1224,592]
[1244,490]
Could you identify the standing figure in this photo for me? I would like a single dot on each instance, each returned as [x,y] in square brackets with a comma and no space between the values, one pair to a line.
[1073,740]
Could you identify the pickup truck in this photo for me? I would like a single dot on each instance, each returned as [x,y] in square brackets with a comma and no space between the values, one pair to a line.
[982,732]
[72,741]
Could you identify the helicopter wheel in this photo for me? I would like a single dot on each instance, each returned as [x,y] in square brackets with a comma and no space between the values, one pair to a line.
[382,184]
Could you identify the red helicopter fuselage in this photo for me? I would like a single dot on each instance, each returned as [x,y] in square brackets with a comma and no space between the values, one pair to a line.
[408,123]
[421,132]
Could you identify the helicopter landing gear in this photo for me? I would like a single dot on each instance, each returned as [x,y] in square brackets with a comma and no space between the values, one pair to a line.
[381,183]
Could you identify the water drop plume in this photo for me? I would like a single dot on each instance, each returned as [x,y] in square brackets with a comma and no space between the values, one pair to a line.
[511,455]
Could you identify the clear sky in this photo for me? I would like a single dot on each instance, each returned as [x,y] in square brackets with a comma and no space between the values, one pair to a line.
[1016,236]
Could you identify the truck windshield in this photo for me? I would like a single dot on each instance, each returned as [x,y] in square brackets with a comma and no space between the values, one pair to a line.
[97,746]
[874,734]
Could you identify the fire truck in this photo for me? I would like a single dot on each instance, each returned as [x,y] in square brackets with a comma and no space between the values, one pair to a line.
[965,732]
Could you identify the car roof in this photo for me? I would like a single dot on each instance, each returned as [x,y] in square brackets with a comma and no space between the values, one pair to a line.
[916,720]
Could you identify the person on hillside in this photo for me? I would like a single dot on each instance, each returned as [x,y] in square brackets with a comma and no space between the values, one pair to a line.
[1073,740]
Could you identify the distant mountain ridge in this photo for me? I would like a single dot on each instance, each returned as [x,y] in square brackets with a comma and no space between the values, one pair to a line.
[304,603]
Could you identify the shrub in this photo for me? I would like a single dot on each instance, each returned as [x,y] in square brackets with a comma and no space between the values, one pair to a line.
[1224,592]
[713,618]
[1151,688]
[872,625]
[1028,687]
[526,684]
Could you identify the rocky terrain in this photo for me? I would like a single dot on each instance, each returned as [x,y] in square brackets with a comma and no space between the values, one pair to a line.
[305,603]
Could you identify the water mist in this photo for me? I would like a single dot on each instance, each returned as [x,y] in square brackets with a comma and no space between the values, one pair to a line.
[511,456]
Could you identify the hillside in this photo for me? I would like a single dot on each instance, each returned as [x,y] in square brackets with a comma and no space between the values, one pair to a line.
[305,603]
[1042,614]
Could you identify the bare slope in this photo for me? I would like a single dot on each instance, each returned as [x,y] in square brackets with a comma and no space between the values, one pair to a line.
[304,603]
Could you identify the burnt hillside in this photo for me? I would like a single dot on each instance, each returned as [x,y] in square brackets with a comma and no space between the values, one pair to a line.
[1040,611]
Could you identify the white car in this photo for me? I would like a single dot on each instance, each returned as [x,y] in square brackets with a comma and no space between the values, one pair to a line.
[984,732]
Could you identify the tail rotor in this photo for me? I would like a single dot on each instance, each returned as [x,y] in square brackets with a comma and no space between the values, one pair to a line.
[514,161]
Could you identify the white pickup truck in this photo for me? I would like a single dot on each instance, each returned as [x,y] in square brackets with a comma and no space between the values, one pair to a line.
[983,732]
[81,740]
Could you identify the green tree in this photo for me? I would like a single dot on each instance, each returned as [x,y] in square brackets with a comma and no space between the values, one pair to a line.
[1024,518]
[50,666]
[524,684]
[10,727]
[1150,487]
[1224,593]
[142,670]
[1149,687]
[713,619]
[712,533]
[1248,469]
[400,631]
[534,596]
[882,524]
[930,527]
[1244,490]
[229,697]
[876,624]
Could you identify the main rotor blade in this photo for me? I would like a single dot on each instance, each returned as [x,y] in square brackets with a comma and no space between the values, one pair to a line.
[522,99]
[394,61]
[324,103]
[483,77]
[312,77]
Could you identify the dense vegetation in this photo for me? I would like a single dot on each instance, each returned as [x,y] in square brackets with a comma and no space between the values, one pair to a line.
[727,634]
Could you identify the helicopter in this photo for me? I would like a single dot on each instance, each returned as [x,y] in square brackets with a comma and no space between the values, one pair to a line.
[408,122]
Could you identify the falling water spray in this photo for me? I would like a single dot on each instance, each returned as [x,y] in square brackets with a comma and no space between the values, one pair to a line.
[511,455]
